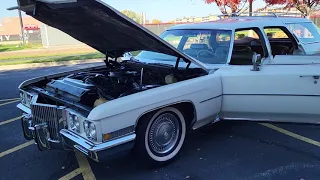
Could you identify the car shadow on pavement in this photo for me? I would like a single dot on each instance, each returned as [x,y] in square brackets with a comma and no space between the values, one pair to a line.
[197,143]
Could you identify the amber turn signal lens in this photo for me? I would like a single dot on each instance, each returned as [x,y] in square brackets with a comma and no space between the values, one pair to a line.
[106,137]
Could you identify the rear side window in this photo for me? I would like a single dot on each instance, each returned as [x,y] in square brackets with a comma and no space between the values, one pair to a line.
[242,34]
[275,33]
[280,42]
[306,32]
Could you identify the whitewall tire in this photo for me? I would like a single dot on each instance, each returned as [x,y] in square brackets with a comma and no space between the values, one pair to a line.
[161,135]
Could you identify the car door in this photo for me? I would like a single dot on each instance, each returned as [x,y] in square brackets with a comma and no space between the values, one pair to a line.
[286,88]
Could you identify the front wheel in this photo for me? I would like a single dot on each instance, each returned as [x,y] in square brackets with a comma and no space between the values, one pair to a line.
[161,135]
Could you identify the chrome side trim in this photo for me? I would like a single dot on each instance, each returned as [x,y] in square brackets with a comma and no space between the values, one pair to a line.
[206,122]
[83,144]
[210,99]
[24,108]
[243,119]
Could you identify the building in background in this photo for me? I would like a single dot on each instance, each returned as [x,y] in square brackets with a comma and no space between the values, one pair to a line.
[10,30]
[197,19]
[37,32]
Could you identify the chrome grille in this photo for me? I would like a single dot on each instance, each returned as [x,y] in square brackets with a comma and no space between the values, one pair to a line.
[47,114]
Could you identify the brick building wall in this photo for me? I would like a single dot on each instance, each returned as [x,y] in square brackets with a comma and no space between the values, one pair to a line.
[10,29]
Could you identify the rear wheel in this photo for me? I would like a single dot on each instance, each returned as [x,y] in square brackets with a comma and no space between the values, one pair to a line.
[160,136]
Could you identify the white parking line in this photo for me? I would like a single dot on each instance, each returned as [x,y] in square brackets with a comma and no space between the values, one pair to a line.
[10,102]
[294,135]
[84,166]
[72,174]
[10,120]
[17,148]
[12,99]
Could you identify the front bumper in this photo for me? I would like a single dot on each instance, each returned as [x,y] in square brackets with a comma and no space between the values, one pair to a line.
[70,140]
[98,152]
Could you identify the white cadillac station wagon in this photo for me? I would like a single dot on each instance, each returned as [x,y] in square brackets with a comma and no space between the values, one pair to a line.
[257,68]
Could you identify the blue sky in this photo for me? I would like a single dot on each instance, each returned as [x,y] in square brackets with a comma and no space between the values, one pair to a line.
[164,10]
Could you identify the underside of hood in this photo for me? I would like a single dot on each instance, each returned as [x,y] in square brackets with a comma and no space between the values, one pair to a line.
[100,26]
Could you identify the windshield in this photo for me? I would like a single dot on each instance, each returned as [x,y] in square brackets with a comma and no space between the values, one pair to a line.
[306,32]
[207,46]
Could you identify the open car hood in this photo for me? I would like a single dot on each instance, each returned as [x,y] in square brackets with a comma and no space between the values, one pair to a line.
[100,26]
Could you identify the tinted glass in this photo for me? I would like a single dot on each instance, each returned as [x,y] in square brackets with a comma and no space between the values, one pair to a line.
[208,46]
[305,32]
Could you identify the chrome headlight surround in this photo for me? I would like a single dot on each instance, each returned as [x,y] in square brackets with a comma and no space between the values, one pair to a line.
[81,125]
[90,130]
[26,98]
[74,121]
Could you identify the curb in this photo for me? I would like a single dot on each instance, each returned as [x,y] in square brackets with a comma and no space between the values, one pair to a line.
[48,64]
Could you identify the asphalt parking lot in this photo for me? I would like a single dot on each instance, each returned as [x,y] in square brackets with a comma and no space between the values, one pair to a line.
[224,151]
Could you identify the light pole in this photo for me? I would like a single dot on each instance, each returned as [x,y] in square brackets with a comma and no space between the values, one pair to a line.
[250,7]
[21,23]
[20,17]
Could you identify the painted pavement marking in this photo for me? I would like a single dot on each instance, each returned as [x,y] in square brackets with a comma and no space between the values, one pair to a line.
[294,135]
[10,102]
[72,174]
[17,148]
[84,166]
[10,120]
[12,99]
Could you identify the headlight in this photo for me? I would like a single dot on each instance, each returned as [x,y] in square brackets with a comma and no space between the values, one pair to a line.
[90,130]
[74,123]
[25,98]
[22,98]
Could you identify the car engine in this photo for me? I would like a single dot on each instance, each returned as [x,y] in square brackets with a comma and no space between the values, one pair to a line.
[116,80]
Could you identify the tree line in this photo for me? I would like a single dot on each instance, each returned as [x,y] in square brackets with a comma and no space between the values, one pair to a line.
[138,17]
[306,7]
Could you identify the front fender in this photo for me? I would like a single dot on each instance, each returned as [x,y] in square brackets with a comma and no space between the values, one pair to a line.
[124,112]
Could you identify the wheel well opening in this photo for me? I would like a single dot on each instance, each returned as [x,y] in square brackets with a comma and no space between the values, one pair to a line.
[189,112]
[186,108]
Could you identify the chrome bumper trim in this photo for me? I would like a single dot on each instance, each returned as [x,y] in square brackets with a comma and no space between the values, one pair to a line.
[24,108]
[28,130]
[97,151]
[69,140]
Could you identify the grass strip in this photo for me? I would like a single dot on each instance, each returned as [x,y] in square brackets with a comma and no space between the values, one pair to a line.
[16,47]
[53,59]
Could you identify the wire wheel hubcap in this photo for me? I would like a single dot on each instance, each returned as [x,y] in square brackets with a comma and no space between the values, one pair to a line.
[164,133]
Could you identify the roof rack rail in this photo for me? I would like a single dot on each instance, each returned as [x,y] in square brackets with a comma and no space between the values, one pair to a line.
[290,14]
[260,14]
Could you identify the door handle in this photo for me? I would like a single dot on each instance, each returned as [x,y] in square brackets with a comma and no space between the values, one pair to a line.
[313,76]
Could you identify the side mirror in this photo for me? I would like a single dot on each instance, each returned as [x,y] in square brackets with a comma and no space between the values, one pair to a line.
[256,61]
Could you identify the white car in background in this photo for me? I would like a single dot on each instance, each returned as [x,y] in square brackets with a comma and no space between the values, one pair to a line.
[150,102]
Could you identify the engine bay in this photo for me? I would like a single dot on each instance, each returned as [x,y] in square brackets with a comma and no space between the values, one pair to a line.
[117,79]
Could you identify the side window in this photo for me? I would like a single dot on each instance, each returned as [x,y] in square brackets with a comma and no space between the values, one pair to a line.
[276,33]
[243,34]
[208,46]
[223,37]
[173,40]
[306,31]
[199,40]
[281,42]
[248,43]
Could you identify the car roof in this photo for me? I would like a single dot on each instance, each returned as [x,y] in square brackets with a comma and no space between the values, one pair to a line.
[241,22]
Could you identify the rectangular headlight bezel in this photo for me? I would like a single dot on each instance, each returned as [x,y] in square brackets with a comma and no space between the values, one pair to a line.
[26,98]
[74,118]
[87,127]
